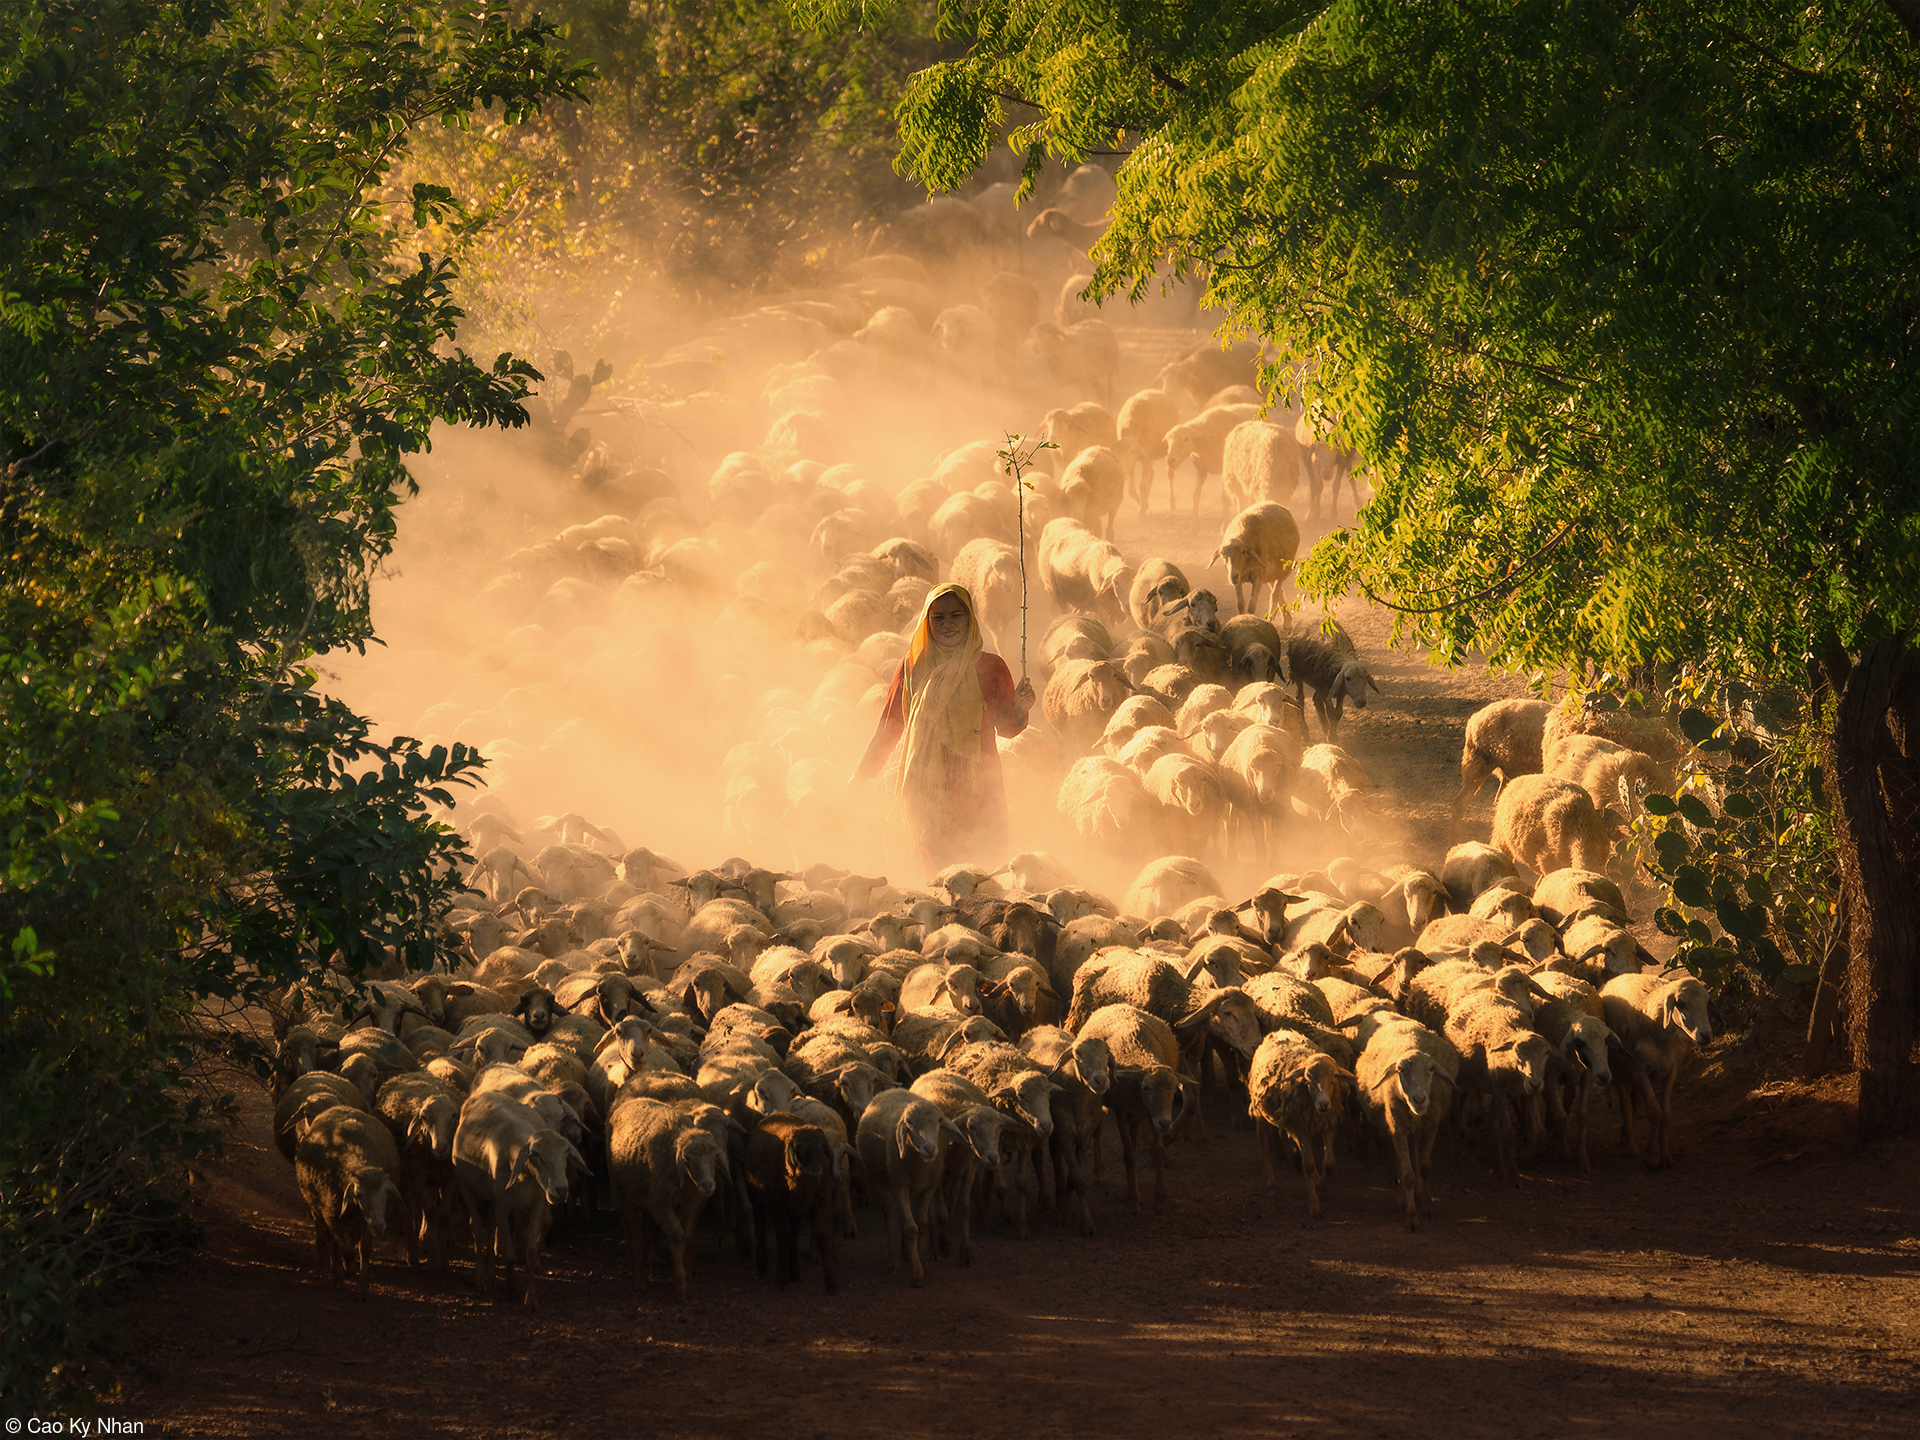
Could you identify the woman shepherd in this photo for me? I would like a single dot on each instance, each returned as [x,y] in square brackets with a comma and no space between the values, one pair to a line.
[950,697]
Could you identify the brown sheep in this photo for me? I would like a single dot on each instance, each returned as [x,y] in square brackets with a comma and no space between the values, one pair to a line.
[790,1169]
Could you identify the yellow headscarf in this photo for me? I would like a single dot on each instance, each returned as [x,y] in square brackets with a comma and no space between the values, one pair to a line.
[945,710]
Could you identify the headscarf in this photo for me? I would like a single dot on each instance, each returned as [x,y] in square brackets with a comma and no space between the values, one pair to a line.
[944,709]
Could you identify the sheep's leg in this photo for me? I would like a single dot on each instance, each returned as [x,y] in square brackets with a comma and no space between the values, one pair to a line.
[482,1244]
[788,1236]
[905,1204]
[823,1242]
[1040,1154]
[1309,1169]
[1129,1149]
[1474,771]
[1577,1121]
[1665,1121]
[1266,1135]
[1159,1168]
[760,1256]
[892,1204]
[1406,1168]
[962,1216]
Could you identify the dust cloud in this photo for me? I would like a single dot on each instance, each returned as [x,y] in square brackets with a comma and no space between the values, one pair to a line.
[638,625]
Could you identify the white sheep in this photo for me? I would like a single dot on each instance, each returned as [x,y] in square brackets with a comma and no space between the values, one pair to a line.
[1259,461]
[990,571]
[1203,440]
[1163,886]
[1259,546]
[346,1164]
[1093,486]
[664,1168]
[1504,739]
[1083,573]
[1192,799]
[900,1139]
[513,1172]
[1081,698]
[1406,1075]
[1660,1020]
[1293,1090]
[1547,824]
[1144,421]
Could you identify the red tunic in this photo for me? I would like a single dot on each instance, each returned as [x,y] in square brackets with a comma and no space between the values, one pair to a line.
[976,805]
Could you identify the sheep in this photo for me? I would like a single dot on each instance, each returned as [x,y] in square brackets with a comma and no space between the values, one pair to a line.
[1563,896]
[899,1139]
[1600,948]
[1651,735]
[1333,677]
[938,985]
[1548,824]
[1259,461]
[1145,1087]
[1258,770]
[1081,1074]
[1081,699]
[1166,884]
[1083,573]
[1259,545]
[513,1172]
[1573,1020]
[990,570]
[1208,368]
[664,1168]
[1145,653]
[1432,994]
[1470,868]
[1191,797]
[345,1165]
[1504,739]
[1255,651]
[977,1149]
[1203,440]
[1076,430]
[1408,904]
[1610,773]
[963,518]
[927,1037]
[1158,987]
[1136,713]
[1660,1021]
[1293,1089]
[1156,584]
[1013,304]
[1074,637]
[1406,1076]
[305,1100]
[422,1114]
[790,1169]
[1086,354]
[1502,1058]
[1143,423]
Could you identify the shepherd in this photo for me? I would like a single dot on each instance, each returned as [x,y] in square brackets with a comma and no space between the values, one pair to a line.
[950,697]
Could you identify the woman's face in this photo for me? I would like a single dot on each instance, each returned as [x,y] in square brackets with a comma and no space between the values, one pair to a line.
[947,621]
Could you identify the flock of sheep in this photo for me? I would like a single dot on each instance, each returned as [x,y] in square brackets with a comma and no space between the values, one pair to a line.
[770,1044]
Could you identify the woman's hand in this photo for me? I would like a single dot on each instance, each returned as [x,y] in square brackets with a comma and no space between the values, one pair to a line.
[1022,699]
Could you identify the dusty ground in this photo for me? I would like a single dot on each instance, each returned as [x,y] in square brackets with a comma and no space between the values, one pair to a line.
[1766,1286]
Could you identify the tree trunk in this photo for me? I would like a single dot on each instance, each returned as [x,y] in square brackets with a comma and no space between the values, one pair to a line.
[1876,829]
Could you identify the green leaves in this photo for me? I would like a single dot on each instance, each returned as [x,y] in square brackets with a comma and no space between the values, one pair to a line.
[215,352]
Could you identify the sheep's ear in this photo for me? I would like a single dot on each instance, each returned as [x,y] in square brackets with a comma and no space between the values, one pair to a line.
[948,1127]
[521,1164]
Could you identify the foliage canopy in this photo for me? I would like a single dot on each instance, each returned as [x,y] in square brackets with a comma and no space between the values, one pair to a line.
[216,351]
[1621,303]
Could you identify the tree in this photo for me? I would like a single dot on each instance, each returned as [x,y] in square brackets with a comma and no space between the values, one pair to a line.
[1620,303]
[216,354]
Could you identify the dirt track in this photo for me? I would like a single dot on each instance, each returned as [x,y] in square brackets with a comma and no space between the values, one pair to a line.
[1766,1287]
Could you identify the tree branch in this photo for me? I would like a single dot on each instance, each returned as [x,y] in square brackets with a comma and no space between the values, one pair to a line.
[1510,578]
